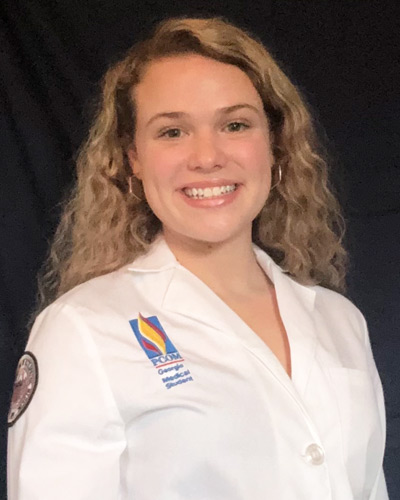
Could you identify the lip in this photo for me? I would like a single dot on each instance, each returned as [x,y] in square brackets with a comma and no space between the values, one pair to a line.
[209,183]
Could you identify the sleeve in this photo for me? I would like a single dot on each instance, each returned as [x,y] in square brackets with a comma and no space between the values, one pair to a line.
[68,441]
[379,490]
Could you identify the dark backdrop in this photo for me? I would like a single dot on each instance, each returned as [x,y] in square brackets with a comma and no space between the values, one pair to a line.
[344,55]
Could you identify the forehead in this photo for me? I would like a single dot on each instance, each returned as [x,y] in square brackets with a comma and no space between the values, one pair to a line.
[192,81]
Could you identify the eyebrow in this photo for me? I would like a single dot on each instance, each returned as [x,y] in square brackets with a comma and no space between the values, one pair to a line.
[222,111]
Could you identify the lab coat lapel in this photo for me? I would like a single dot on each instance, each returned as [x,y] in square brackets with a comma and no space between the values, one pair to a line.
[188,296]
[296,306]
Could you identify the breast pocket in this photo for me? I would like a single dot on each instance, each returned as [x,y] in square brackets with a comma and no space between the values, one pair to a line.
[362,436]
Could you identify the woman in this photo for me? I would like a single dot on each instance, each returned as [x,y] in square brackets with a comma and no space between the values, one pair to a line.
[197,347]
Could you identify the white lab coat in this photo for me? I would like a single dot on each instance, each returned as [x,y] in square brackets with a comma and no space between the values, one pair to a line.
[231,425]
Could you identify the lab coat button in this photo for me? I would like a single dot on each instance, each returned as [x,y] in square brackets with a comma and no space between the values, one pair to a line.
[314,454]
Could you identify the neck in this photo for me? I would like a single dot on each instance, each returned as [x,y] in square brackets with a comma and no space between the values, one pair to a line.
[229,267]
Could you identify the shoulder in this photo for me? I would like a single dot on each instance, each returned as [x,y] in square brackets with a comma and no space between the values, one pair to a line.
[339,310]
[89,303]
[327,303]
[99,295]
[329,298]
[96,291]
[101,303]
[148,274]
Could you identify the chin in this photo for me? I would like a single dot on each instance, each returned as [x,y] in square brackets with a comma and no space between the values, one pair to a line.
[213,236]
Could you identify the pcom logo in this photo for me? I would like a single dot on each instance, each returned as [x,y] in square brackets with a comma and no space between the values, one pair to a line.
[160,350]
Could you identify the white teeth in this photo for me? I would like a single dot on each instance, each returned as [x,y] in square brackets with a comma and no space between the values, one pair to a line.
[200,193]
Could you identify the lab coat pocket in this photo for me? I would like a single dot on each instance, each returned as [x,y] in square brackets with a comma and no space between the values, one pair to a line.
[360,427]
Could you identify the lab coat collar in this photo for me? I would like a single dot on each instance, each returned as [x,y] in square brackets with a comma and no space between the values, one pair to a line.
[160,258]
[296,304]
[283,281]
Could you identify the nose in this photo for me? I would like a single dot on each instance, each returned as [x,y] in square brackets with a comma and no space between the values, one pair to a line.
[206,152]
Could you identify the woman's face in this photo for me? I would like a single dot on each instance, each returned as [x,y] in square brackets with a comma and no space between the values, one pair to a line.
[202,148]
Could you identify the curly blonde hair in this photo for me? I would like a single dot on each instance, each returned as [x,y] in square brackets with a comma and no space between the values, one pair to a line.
[104,226]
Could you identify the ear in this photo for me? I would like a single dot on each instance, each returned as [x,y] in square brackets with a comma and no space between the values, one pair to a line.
[134,163]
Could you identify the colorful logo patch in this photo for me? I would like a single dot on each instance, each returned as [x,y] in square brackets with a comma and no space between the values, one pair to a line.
[24,386]
[160,351]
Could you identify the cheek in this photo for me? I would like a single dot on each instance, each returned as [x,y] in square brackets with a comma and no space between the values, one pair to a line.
[162,171]
[159,181]
[257,159]
[156,170]
[254,149]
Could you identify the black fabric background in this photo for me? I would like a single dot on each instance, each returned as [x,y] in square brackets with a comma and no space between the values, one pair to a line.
[344,55]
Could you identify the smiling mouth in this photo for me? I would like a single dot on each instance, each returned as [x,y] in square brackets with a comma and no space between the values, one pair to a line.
[209,192]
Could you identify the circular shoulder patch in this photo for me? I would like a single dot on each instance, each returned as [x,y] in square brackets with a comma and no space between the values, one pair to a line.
[24,386]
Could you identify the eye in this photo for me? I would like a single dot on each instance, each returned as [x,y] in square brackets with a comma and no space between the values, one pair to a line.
[236,126]
[171,133]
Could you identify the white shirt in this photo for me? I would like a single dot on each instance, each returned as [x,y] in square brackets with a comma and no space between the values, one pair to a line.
[187,402]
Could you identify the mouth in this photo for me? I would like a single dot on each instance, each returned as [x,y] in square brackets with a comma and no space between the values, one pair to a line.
[209,192]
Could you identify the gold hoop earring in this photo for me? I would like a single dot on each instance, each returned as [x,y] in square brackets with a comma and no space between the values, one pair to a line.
[279,177]
[130,188]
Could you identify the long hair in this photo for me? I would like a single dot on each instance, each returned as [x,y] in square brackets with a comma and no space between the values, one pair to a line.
[105,224]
